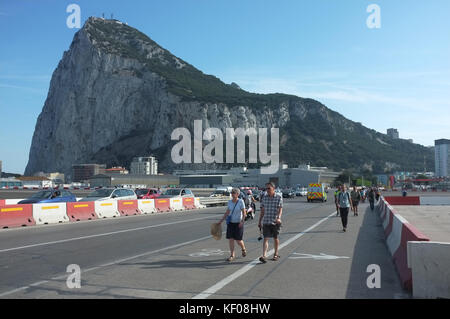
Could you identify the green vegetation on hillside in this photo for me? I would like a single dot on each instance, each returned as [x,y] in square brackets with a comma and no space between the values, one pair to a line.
[330,140]
[338,148]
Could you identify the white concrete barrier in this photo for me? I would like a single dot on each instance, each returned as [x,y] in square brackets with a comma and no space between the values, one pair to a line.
[176,204]
[394,239]
[51,213]
[147,206]
[106,208]
[430,266]
[197,203]
[12,201]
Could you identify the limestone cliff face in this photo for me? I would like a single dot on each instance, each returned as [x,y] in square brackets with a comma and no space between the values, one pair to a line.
[117,94]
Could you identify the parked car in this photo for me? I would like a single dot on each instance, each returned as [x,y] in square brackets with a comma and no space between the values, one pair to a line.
[110,193]
[50,196]
[301,191]
[220,193]
[176,192]
[147,193]
[278,191]
[288,193]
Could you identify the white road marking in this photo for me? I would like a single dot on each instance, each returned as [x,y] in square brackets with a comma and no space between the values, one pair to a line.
[100,235]
[208,252]
[321,256]
[213,289]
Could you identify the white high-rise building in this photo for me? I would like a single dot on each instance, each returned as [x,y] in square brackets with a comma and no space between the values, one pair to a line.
[442,157]
[144,166]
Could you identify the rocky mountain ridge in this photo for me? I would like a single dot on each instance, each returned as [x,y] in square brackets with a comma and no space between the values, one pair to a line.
[117,94]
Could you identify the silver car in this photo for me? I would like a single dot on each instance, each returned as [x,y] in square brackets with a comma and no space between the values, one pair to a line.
[110,193]
[176,192]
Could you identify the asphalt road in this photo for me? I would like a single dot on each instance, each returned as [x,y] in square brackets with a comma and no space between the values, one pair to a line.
[172,255]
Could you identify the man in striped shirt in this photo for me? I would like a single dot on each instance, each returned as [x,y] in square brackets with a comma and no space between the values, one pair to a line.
[270,220]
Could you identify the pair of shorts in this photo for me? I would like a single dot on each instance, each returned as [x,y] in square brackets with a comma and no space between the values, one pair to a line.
[355,203]
[271,231]
[234,231]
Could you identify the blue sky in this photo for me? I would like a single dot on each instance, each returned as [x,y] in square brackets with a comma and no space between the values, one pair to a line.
[396,76]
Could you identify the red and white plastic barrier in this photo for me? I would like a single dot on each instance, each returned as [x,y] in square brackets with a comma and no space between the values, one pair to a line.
[51,213]
[106,208]
[398,232]
[189,203]
[176,204]
[81,211]
[162,204]
[147,206]
[16,216]
[197,203]
[128,207]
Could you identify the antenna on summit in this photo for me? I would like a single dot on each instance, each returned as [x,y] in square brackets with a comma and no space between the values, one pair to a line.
[112,15]
[103,16]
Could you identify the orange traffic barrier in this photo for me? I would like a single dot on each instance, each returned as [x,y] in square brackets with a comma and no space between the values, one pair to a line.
[162,204]
[128,207]
[189,203]
[16,216]
[81,211]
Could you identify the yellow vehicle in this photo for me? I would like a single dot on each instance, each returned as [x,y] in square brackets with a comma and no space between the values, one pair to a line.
[316,192]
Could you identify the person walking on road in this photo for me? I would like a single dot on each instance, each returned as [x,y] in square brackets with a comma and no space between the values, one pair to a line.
[336,193]
[377,194]
[356,197]
[371,197]
[235,224]
[270,221]
[344,203]
[363,195]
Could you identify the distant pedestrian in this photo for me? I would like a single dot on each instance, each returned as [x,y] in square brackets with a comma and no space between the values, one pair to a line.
[336,193]
[371,198]
[270,220]
[363,195]
[377,194]
[356,197]
[344,203]
[235,225]
[404,192]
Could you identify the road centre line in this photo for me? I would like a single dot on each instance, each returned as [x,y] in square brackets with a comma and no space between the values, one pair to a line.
[227,280]
[101,235]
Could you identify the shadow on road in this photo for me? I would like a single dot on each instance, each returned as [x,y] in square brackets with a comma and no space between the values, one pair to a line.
[370,248]
[185,264]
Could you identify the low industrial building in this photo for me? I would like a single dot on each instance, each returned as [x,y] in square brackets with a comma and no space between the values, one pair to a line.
[83,172]
[35,181]
[206,181]
[241,176]
[131,180]
[10,182]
